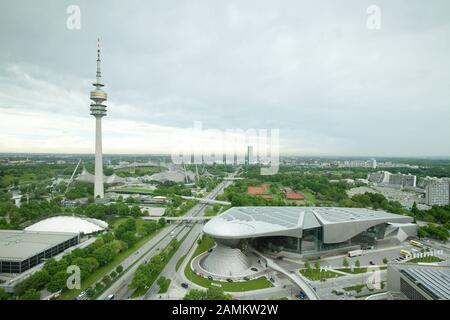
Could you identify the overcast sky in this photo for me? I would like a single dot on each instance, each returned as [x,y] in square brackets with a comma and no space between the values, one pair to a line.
[314,71]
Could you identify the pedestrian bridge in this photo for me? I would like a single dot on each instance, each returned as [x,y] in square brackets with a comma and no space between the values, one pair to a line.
[297,279]
[206,200]
[178,218]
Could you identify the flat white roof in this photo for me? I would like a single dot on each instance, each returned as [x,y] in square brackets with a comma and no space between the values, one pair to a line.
[18,245]
[69,224]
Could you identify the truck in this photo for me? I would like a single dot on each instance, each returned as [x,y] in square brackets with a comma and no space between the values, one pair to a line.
[355,253]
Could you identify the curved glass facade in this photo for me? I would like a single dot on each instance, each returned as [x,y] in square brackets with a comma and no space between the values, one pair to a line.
[312,241]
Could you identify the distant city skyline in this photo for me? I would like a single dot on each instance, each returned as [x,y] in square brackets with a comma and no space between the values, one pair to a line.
[331,86]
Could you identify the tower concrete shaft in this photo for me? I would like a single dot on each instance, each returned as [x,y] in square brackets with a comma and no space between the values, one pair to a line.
[98,110]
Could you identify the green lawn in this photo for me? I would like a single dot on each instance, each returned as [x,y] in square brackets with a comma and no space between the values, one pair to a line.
[314,274]
[355,270]
[359,287]
[101,272]
[254,284]
[426,259]
[179,262]
[165,287]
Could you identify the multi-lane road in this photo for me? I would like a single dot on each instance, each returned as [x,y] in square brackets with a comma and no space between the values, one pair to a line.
[169,270]
[120,288]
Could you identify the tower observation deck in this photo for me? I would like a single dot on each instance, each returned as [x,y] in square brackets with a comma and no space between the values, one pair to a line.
[98,110]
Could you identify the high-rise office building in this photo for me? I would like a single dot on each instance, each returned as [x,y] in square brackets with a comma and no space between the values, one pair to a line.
[437,192]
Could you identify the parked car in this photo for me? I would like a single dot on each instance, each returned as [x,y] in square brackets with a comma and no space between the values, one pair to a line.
[210,278]
[110,297]
[185,285]
[246,278]
[254,269]
[229,280]
[371,263]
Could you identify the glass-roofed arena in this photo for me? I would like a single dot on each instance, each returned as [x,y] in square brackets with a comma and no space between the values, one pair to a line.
[296,231]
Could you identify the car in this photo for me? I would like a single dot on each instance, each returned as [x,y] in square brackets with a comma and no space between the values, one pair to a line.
[280,258]
[109,297]
[83,296]
[339,292]
[323,279]
[254,269]
[246,278]
[371,263]
[210,278]
[210,250]
[185,285]
[229,280]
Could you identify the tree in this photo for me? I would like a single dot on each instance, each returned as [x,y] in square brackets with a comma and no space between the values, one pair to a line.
[40,279]
[161,222]
[385,260]
[119,269]
[163,284]
[307,265]
[213,293]
[317,265]
[135,211]
[195,294]
[58,282]
[357,263]
[106,279]
[345,263]
[31,294]
[4,295]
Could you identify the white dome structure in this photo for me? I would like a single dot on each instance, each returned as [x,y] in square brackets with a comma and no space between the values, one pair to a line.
[225,261]
[69,224]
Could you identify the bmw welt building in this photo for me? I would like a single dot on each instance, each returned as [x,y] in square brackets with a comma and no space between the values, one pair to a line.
[305,231]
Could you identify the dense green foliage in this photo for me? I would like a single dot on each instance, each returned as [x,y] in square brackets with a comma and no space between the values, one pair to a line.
[163,284]
[434,231]
[209,294]
[438,214]
[147,273]
[374,201]
[53,275]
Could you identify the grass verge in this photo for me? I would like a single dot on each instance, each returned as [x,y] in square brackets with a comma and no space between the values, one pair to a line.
[314,274]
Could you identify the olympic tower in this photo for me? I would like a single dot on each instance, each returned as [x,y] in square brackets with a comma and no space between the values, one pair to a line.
[98,110]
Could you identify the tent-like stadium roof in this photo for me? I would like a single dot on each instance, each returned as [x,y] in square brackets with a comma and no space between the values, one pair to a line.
[339,224]
[69,224]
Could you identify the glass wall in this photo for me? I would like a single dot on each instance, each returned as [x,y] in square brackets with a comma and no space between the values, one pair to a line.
[312,241]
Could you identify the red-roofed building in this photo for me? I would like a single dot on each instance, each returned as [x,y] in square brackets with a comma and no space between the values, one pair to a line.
[267,196]
[295,196]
